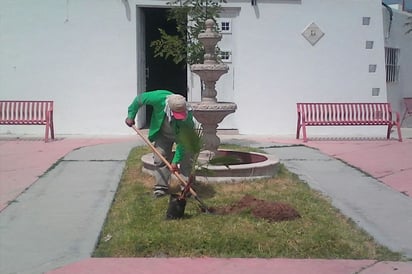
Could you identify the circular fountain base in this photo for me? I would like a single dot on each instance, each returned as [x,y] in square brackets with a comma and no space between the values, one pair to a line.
[250,166]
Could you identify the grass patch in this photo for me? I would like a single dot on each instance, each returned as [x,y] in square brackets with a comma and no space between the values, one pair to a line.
[136,225]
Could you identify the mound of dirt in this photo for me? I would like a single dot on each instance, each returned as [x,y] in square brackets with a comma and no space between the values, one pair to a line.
[271,211]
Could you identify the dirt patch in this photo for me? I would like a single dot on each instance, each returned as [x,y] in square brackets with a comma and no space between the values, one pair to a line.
[271,211]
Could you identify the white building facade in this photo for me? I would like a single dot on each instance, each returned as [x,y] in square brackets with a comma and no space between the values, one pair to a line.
[88,56]
[398,48]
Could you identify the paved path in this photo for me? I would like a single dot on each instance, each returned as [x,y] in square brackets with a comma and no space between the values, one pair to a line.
[57,220]
[55,223]
[372,205]
[23,161]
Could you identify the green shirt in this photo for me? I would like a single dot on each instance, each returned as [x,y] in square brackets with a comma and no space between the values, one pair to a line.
[157,99]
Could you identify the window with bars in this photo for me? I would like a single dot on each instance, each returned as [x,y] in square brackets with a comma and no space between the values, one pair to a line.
[391,62]
[225,56]
[225,25]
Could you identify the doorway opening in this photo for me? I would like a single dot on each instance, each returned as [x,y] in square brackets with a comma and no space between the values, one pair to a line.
[159,72]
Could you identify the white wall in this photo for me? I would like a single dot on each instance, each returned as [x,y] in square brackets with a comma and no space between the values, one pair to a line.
[276,67]
[397,38]
[81,54]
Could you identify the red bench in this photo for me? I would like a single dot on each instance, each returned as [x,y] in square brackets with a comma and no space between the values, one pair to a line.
[346,114]
[28,113]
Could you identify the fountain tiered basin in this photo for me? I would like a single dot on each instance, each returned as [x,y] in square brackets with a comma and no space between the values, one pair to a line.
[250,166]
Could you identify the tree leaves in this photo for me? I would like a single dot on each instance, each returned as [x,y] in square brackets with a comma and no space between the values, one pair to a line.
[191,139]
[190,17]
[169,46]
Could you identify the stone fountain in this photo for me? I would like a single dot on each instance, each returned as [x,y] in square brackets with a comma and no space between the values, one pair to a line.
[209,113]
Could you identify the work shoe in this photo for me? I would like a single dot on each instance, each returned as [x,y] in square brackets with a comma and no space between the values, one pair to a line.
[160,191]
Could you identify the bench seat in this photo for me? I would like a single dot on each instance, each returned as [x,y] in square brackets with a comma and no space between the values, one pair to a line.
[346,114]
[28,113]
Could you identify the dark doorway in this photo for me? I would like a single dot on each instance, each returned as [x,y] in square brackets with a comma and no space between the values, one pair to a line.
[161,73]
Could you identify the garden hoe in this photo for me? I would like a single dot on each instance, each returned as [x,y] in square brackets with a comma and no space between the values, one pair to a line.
[177,202]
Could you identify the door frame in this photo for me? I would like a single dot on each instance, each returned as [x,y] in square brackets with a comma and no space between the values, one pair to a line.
[141,62]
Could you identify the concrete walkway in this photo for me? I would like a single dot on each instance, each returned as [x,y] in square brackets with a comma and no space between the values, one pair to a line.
[53,222]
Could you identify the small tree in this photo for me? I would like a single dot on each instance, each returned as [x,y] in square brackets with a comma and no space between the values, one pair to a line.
[192,141]
[190,17]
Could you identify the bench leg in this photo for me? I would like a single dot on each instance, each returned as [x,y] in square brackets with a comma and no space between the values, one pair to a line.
[398,127]
[52,129]
[46,135]
[388,133]
[49,128]
[298,131]
[49,131]
[298,128]
[305,139]
[398,124]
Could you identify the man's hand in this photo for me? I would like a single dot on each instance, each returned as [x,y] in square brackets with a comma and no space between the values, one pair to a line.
[129,122]
[174,168]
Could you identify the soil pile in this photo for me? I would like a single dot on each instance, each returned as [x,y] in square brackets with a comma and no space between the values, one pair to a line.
[271,211]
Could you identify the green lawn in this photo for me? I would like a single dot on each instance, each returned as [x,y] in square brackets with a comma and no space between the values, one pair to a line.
[136,225]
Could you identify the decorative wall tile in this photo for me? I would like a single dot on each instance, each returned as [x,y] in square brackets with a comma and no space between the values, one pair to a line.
[313,33]
[369,45]
[366,21]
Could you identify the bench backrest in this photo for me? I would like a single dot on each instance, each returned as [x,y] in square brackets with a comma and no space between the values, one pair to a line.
[25,111]
[345,112]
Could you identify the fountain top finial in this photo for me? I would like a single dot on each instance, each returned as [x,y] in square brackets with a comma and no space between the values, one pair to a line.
[209,23]
[209,34]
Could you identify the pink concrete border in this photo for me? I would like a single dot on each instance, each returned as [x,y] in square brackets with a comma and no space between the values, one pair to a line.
[213,265]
